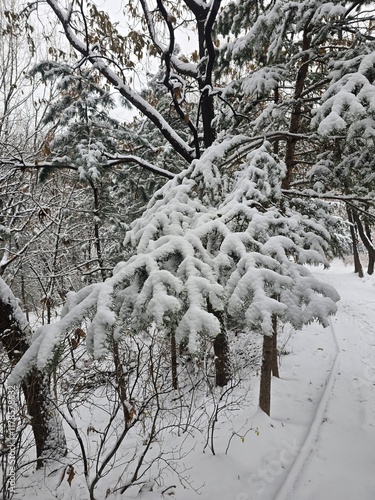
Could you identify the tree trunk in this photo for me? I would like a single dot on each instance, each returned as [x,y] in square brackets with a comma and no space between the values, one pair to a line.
[45,420]
[297,110]
[221,351]
[357,261]
[174,360]
[275,361]
[46,423]
[371,256]
[205,16]
[265,375]
[365,235]
[222,359]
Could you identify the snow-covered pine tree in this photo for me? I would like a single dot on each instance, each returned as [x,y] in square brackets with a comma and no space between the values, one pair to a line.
[116,55]
[209,247]
[81,129]
[269,281]
[346,123]
[83,138]
[296,55]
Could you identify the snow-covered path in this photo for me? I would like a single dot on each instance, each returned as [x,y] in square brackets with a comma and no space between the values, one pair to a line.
[338,455]
[319,443]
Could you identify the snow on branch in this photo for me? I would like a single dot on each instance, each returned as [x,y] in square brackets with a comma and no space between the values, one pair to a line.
[102,65]
[348,104]
[198,255]
[7,298]
[112,161]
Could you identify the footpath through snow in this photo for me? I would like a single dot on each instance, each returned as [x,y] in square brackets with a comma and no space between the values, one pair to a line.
[319,443]
[337,460]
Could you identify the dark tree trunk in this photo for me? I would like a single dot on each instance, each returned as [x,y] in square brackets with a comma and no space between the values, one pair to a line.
[208,114]
[45,421]
[205,18]
[353,233]
[174,360]
[365,235]
[275,361]
[297,110]
[221,351]
[222,359]
[266,375]
[371,256]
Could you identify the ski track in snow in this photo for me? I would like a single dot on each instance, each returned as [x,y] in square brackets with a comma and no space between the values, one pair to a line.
[313,433]
[337,453]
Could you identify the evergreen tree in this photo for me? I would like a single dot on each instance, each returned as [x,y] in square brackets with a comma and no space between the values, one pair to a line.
[206,251]
[297,58]
[345,122]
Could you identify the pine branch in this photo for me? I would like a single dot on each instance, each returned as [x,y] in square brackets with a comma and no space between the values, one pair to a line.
[328,196]
[113,160]
[179,145]
[121,159]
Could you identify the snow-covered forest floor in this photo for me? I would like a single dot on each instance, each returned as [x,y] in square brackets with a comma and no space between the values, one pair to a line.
[318,444]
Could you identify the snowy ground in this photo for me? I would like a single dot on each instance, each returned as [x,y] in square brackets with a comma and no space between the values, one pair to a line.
[319,443]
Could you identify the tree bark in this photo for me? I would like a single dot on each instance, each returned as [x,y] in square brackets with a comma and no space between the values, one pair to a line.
[357,261]
[296,114]
[205,84]
[371,256]
[223,371]
[365,236]
[45,422]
[205,16]
[266,375]
[275,361]
[222,359]
[174,360]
